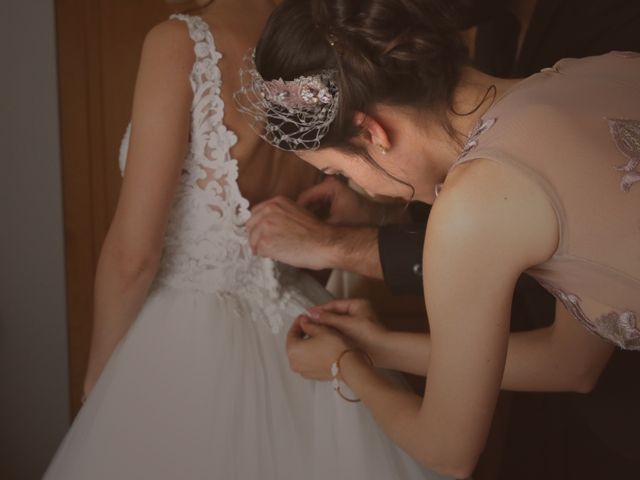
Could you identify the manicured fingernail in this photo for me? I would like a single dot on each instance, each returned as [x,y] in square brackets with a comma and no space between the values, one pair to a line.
[314,314]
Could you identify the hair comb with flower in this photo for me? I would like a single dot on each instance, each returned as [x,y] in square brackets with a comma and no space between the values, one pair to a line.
[289,114]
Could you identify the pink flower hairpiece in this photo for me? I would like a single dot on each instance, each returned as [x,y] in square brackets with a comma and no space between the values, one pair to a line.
[289,114]
[299,93]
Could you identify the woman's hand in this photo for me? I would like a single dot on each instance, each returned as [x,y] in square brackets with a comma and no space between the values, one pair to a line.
[313,348]
[355,319]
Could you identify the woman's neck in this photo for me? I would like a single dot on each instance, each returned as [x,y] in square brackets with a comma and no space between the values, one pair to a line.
[475,95]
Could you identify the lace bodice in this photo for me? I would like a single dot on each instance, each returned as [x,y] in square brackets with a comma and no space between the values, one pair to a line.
[206,246]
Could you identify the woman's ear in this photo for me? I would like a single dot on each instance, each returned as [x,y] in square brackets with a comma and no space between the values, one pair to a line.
[373,132]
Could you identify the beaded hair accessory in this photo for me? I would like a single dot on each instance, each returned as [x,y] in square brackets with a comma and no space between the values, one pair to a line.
[289,114]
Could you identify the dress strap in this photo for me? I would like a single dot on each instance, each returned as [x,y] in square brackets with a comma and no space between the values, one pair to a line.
[211,141]
[198,29]
[205,68]
[472,142]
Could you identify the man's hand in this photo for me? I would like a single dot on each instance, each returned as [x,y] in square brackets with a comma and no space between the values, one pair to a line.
[286,232]
[342,204]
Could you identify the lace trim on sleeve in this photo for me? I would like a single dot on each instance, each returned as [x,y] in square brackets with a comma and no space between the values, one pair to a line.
[626,135]
[619,328]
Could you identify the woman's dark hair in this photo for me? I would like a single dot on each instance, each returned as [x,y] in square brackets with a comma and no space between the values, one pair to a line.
[396,52]
[195,5]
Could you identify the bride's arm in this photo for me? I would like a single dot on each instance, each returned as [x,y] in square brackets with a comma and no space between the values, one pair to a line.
[130,254]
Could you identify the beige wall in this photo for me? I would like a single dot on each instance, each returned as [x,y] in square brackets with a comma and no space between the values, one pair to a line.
[33,360]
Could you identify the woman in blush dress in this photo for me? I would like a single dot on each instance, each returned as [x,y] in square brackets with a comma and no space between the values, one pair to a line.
[546,181]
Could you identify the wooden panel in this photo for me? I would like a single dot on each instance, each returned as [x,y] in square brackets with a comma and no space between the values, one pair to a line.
[99,44]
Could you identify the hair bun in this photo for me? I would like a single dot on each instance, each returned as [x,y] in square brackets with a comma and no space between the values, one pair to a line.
[400,52]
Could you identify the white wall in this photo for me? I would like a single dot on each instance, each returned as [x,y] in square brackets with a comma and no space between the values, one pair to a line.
[33,360]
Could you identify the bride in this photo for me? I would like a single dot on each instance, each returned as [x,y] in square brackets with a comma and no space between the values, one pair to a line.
[188,375]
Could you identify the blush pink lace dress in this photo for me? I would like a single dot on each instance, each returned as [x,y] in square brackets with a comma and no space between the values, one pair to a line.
[574,129]
[200,388]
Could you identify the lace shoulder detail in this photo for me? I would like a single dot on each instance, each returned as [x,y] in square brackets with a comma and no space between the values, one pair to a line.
[621,329]
[212,169]
[207,56]
[476,132]
[626,54]
[480,127]
[626,135]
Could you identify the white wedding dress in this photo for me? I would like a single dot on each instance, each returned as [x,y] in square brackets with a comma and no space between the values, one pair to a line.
[200,387]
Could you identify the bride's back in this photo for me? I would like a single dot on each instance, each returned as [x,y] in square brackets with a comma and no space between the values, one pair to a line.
[226,167]
[264,172]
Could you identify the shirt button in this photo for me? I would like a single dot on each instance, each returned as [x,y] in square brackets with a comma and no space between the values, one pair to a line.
[417,270]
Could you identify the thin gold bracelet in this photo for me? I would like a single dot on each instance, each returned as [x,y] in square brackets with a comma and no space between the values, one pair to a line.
[335,371]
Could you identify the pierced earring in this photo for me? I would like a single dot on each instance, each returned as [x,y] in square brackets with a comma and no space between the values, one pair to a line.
[383,150]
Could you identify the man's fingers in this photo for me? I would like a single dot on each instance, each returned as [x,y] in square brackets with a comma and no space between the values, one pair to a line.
[296,333]
[311,328]
[336,306]
[346,306]
[332,320]
[256,219]
[259,207]
[263,207]
[323,192]
[272,203]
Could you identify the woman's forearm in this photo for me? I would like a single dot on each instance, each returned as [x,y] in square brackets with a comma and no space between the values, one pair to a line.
[394,408]
[402,351]
[536,361]
[543,361]
[120,290]
[398,413]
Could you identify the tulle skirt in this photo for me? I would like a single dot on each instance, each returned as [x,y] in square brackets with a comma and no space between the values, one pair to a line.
[198,390]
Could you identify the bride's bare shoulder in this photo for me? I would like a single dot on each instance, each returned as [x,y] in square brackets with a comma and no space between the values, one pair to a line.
[172,40]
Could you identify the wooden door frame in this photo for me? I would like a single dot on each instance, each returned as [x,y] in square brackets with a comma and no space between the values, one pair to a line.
[98,45]
[84,185]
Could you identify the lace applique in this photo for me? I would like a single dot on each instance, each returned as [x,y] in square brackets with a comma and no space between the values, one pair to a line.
[472,142]
[617,328]
[626,54]
[206,246]
[626,135]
